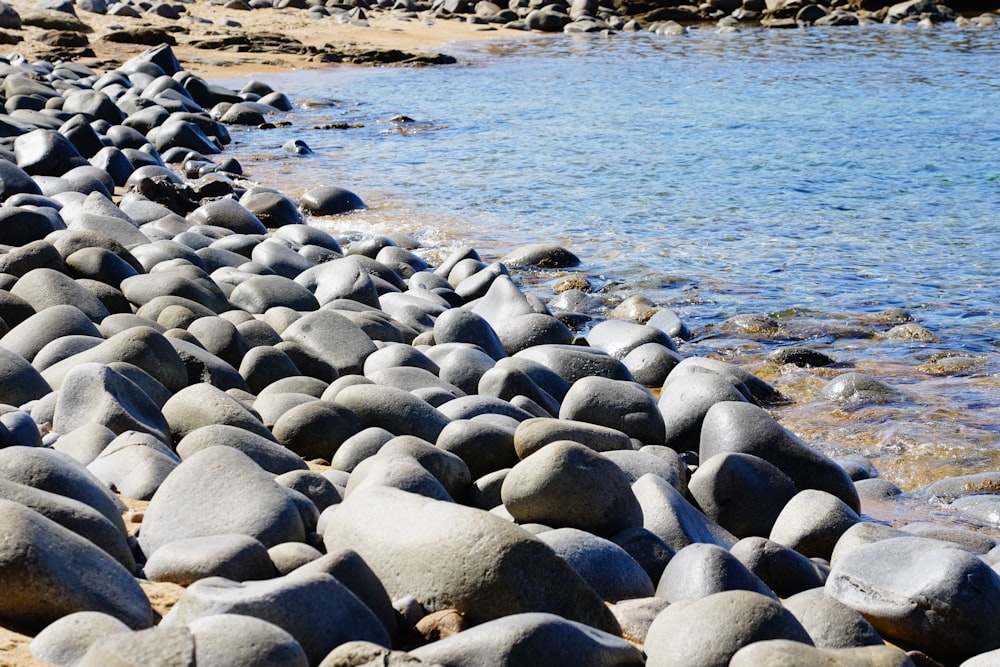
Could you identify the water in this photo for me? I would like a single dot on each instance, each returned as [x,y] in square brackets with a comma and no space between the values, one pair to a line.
[816,176]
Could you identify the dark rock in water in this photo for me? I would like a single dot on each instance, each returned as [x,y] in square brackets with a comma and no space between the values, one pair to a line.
[65,641]
[854,389]
[315,609]
[296,147]
[272,208]
[253,504]
[709,631]
[618,337]
[700,570]
[242,113]
[541,255]
[533,638]
[785,572]
[330,200]
[830,623]
[565,484]
[625,406]
[812,522]
[47,572]
[742,493]
[46,153]
[877,489]
[741,427]
[233,556]
[800,356]
[434,551]
[922,594]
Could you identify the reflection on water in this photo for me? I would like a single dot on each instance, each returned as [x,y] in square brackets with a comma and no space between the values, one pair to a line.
[817,176]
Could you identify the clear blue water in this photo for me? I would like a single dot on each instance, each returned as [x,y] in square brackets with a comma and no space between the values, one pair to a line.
[819,176]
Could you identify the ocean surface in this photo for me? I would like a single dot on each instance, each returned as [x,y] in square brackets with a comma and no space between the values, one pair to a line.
[817,177]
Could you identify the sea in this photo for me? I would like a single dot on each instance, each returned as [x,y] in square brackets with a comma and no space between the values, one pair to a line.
[821,178]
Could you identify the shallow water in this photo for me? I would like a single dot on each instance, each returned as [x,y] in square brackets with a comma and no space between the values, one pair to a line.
[816,176]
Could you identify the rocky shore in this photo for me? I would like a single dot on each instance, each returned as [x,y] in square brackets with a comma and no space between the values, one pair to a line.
[232,438]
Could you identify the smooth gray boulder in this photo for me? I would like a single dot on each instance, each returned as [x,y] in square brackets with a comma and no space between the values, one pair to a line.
[785,652]
[699,570]
[812,523]
[626,406]
[606,567]
[330,200]
[464,326]
[565,484]
[741,427]
[233,556]
[314,608]
[398,471]
[669,516]
[237,640]
[154,647]
[134,464]
[94,392]
[19,381]
[65,641]
[395,410]
[454,557]
[742,493]
[524,331]
[707,632]
[786,572]
[266,453]
[50,324]
[333,338]
[259,293]
[526,639]
[48,571]
[340,279]
[619,337]
[572,363]
[856,389]
[685,400]
[203,405]
[922,594]
[244,499]
[45,287]
[830,623]
[359,447]
[533,434]
[483,446]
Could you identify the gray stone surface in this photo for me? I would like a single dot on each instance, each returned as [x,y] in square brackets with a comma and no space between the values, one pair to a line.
[786,572]
[65,641]
[699,570]
[134,464]
[155,647]
[565,484]
[202,405]
[812,522]
[830,623]
[449,556]
[625,406]
[395,410]
[785,652]
[533,434]
[236,640]
[233,556]
[266,453]
[216,491]
[668,515]
[604,565]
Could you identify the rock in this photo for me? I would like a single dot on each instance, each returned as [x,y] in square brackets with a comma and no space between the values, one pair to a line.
[531,638]
[266,453]
[786,572]
[542,256]
[464,326]
[625,406]
[635,464]
[155,647]
[95,392]
[699,570]
[233,556]
[312,485]
[203,405]
[289,556]
[253,504]
[742,493]
[855,389]
[65,641]
[446,467]
[333,338]
[43,288]
[573,363]
[812,522]
[742,427]
[236,640]
[398,471]
[259,293]
[531,329]
[784,652]
[449,556]
[395,410]
[709,631]
[484,447]
[330,200]
[134,464]
[968,539]
[604,565]
[650,364]
[315,430]
[340,279]
[189,283]
[351,654]
[40,329]
[876,489]
[673,519]
[619,337]
[533,434]
[47,572]
[684,402]
[670,323]
[830,623]
[44,152]
[800,356]
[19,381]
[922,594]
[566,484]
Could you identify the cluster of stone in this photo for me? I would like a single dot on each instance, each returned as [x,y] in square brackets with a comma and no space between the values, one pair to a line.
[352,456]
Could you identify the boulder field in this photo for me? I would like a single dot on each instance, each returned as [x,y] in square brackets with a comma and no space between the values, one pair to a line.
[350,451]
